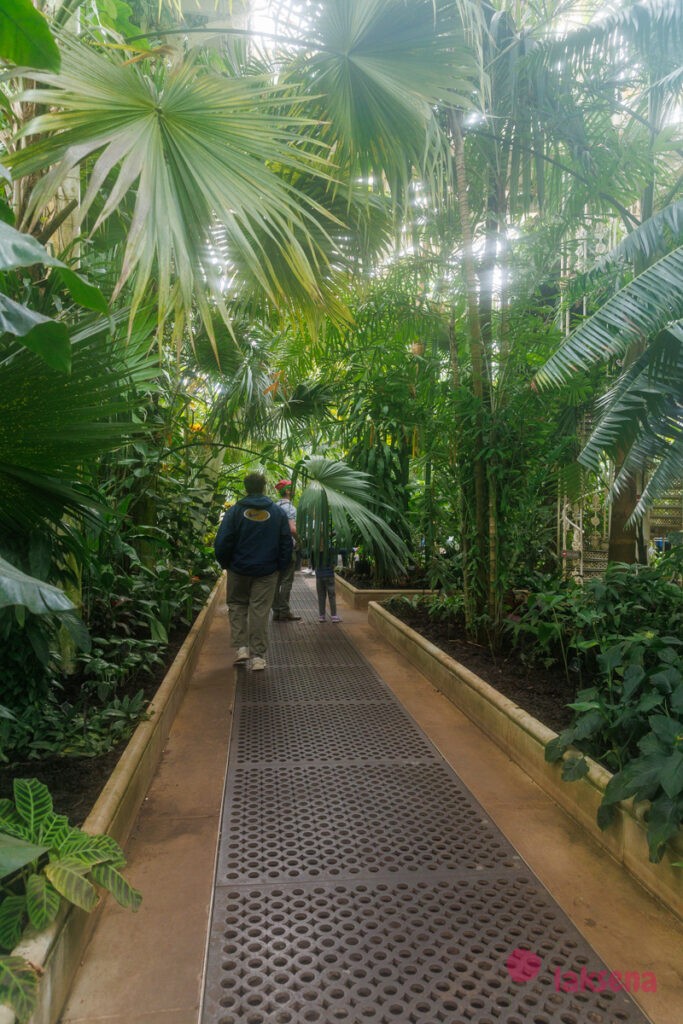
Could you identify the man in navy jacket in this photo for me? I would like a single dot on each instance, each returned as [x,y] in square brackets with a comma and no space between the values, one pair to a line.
[254,543]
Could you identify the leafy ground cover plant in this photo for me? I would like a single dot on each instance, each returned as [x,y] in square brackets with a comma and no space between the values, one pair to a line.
[44,862]
[621,635]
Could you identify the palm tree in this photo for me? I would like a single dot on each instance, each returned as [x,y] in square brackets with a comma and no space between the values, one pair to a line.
[641,421]
[206,153]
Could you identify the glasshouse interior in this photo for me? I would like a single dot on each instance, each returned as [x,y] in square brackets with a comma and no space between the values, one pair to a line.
[341,512]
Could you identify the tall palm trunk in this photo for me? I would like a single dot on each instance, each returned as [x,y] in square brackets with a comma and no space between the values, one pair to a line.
[479,378]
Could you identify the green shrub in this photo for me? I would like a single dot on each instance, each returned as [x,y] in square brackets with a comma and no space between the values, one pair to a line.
[621,635]
[44,861]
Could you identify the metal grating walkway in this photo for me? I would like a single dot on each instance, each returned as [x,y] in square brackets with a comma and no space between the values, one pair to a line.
[358,879]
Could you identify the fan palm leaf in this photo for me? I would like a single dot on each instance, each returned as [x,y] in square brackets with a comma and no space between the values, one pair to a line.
[198,149]
[375,69]
[337,499]
[52,423]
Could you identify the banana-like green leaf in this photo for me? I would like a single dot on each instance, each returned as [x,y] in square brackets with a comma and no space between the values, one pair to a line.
[40,333]
[68,878]
[12,920]
[33,802]
[42,901]
[25,38]
[15,853]
[17,249]
[114,882]
[16,588]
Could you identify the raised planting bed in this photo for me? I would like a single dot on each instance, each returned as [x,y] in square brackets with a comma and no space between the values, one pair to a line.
[57,951]
[359,599]
[523,738]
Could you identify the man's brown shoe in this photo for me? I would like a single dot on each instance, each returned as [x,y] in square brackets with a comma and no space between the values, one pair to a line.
[288,617]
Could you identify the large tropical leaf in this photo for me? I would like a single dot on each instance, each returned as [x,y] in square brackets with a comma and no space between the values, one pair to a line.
[16,853]
[16,588]
[25,38]
[196,148]
[52,423]
[18,249]
[46,337]
[635,314]
[338,501]
[375,70]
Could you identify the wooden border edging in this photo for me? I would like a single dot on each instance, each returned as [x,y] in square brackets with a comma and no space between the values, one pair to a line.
[360,599]
[57,951]
[523,738]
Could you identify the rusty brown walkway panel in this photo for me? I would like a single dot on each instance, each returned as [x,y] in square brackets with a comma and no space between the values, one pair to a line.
[358,880]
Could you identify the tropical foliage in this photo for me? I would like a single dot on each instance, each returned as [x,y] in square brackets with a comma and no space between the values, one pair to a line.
[45,861]
[366,249]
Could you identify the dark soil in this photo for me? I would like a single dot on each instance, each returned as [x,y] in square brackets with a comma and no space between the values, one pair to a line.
[76,782]
[543,693]
[364,581]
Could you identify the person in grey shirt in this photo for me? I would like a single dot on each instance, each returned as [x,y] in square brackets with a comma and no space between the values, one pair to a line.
[281,610]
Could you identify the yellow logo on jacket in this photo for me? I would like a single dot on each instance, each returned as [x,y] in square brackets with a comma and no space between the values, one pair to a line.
[256,515]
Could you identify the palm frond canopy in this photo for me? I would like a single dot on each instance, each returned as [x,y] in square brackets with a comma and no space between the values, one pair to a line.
[51,423]
[197,149]
[337,502]
[646,305]
[374,71]
[642,422]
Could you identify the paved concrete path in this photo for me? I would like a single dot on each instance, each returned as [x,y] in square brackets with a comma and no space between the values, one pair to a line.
[301,877]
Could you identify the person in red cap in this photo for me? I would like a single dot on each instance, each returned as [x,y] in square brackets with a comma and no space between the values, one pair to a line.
[281,610]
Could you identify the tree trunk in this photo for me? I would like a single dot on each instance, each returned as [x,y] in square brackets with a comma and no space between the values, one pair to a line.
[479,379]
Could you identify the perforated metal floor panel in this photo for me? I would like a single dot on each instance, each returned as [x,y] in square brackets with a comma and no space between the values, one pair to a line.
[359,880]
